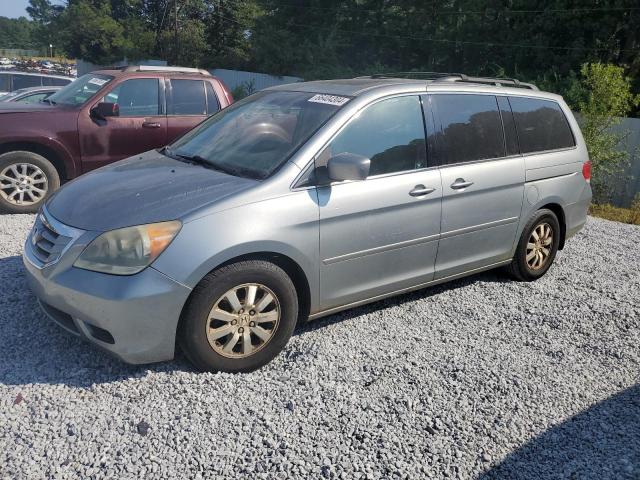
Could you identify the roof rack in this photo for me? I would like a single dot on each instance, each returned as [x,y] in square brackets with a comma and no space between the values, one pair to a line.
[161,68]
[455,77]
[498,82]
[417,75]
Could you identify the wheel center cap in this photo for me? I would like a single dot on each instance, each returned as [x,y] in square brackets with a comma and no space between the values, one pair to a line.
[244,319]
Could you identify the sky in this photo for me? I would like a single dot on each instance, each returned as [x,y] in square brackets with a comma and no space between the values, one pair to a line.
[15,8]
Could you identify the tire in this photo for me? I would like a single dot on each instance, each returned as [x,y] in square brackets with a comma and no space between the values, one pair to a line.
[526,270]
[199,325]
[37,178]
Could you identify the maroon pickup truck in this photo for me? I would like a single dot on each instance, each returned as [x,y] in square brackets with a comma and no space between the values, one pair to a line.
[99,118]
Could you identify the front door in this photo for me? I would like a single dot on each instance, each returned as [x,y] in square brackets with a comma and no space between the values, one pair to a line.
[141,124]
[379,235]
[482,182]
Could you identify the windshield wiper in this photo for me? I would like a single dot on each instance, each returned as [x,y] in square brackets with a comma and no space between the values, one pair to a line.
[205,162]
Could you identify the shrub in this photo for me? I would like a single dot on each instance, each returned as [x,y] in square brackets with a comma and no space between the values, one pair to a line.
[602,96]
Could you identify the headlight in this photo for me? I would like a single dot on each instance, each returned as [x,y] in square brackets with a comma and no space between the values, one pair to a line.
[128,250]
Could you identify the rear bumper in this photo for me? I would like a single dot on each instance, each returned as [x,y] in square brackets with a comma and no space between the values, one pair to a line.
[132,317]
[576,213]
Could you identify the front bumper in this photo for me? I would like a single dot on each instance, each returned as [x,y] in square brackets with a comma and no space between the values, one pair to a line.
[133,317]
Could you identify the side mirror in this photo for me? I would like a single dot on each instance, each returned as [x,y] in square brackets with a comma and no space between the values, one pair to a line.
[105,109]
[348,166]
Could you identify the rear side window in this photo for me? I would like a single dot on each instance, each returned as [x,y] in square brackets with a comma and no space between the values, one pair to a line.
[25,81]
[541,125]
[467,128]
[136,97]
[5,84]
[55,82]
[188,97]
[390,133]
[212,100]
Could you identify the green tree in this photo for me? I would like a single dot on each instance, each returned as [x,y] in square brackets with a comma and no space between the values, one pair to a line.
[602,96]
[89,32]
[17,33]
[44,15]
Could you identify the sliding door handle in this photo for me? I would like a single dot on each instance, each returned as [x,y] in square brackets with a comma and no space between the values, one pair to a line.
[421,190]
[460,183]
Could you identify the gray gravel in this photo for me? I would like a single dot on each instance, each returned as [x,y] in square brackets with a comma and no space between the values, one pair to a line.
[480,378]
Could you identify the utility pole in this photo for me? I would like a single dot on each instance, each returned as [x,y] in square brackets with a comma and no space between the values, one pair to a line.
[175,48]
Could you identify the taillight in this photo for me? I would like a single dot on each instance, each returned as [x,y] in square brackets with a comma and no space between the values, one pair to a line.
[586,170]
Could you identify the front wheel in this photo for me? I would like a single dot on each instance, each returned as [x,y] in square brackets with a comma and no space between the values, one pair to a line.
[239,317]
[26,181]
[537,247]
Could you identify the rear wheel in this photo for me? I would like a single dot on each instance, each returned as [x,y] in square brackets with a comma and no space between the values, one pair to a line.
[26,181]
[537,247]
[239,317]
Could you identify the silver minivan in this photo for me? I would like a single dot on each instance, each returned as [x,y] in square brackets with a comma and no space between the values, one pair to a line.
[303,200]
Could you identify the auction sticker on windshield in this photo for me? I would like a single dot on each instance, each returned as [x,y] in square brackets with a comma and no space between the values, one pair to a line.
[329,99]
[98,81]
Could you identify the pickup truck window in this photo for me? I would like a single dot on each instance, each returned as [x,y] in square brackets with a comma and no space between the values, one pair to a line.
[137,97]
[80,90]
[188,97]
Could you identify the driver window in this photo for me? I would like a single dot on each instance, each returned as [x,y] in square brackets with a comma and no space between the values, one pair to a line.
[389,132]
[136,97]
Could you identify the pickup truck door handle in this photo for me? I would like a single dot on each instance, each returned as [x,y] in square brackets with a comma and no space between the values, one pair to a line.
[460,183]
[150,124]
[421,190]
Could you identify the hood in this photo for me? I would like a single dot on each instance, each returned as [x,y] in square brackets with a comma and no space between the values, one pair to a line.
[143,189]
[22,107]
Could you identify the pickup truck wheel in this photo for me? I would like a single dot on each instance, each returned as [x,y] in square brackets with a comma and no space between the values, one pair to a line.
[26,181]
[239,317]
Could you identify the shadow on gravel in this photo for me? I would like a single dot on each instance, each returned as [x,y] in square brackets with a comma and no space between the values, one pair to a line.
[492,276]
[35,350]
[600,443]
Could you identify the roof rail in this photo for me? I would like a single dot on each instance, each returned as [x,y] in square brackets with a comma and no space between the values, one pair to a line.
[417,75]
[455,77]
[161,68]
[498,82]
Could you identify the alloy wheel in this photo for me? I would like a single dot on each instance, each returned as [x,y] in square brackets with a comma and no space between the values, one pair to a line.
[243,320]
[539,246]
[23,184]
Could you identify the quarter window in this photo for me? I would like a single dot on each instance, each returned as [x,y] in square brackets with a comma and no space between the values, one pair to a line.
[212,100]
[188,97]
[390,133]
[467,128]
[541,125]
[136,97]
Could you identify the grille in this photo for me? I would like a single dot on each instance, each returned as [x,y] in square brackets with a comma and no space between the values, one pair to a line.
[46,242]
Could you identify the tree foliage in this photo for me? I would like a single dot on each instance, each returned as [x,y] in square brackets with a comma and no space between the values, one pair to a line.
[602,95]
[544,42]
[17,33]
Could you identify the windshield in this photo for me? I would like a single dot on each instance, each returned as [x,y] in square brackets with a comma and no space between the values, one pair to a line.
[254,136]
[8,96]
[80,90]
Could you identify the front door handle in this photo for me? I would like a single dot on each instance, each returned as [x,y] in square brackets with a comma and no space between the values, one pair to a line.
[151,124]
[460,183]
[421,190]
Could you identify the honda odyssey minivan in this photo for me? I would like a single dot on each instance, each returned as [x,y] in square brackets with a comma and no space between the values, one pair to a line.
[303,200]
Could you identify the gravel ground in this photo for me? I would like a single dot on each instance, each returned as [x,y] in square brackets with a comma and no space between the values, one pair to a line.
[481,378]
